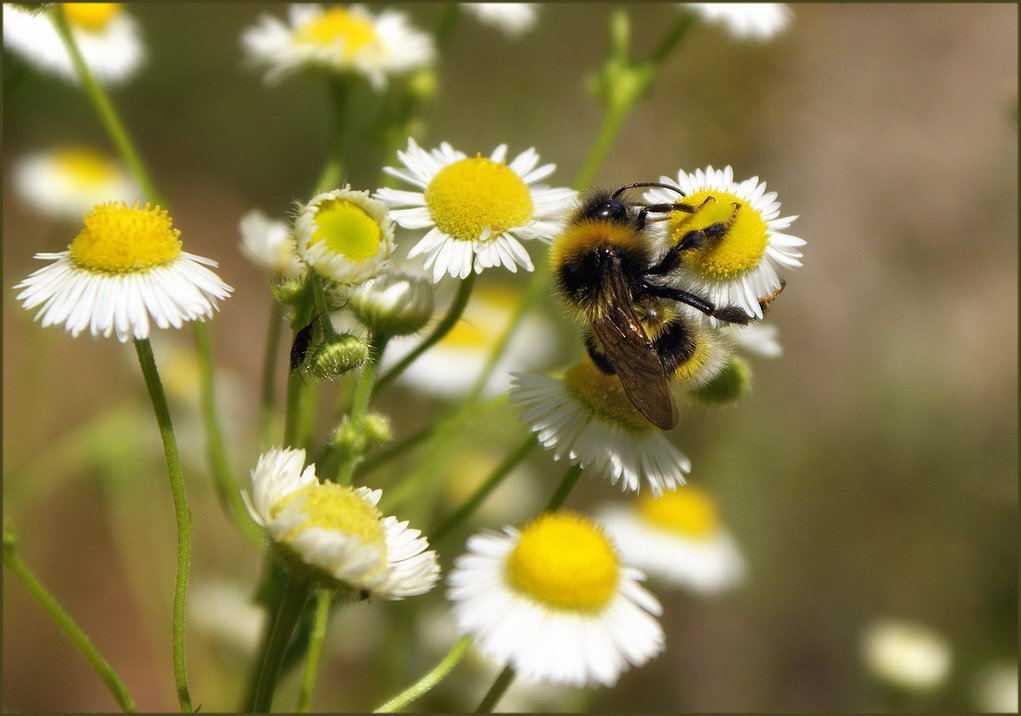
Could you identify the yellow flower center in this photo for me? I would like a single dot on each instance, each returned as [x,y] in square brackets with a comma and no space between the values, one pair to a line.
[92,16]
[604,396]
[84,168]
[472,194]
[337,26]
[564,561]
[122,239]
[688,510]
[740,249]
[338,508]
[347,230]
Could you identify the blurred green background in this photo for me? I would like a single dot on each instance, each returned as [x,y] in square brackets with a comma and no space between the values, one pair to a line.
[871,472]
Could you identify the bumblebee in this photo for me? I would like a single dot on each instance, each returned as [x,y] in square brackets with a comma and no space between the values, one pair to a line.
[610,275]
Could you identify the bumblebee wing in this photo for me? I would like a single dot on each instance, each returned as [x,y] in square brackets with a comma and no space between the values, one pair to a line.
[634,356]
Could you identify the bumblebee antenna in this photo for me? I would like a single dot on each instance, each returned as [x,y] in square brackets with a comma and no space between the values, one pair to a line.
[646,183]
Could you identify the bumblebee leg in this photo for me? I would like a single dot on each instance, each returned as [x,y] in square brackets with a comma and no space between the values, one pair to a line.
[699,238]
[727,314]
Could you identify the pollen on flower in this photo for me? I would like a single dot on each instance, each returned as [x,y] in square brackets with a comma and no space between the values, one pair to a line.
[688,510]
[84,167]
[346,229]
[604,395]
[337,507]
[470,195]
[91,15]
[122,239]
[741,248]
[337,24]
[564,561]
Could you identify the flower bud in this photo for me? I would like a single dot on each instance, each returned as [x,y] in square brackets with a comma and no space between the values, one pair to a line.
[339,354]
[289,292]
[376,428]
[727,386]
[396,304]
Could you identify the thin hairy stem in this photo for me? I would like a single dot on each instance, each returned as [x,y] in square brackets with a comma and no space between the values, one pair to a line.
[315,649]
[78,637]
[181,513]
[436,675]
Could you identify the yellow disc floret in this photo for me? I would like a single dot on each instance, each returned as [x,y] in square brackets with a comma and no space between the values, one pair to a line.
[122,239]
[604,396]
[337,26]
[340,508]
[689,511]
[741,248]
[470,195]
[564,561]
[84,168]
[92,16]
[347,229]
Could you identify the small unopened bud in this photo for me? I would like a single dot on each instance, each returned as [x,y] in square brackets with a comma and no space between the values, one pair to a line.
[377,429]
[289,292]
[727,386]
[339,354]
[422,85]
[349,439]
[395,304]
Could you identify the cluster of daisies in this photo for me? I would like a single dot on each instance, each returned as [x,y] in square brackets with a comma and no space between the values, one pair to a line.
[559,599]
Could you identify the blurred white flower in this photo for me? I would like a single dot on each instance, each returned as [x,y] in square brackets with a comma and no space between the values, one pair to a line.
[344,40]
[995,688]
[65,182]
[677,537]
[268,244]
[107,37]
[226,611]
[906,654]
[513,18]
[746,20]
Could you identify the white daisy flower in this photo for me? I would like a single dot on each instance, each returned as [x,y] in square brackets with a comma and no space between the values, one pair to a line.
[335,534]
[226,612]
[512,18]
[450,367]
[344,235]
[745,264]
[65,182]
[123,269]
[554,602]
[344,40]
[746,20]
[268,244]
[107,37]
[906,654]
[677,537]
[586,416]
[477,209]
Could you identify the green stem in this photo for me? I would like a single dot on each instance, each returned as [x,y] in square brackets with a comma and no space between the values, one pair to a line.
[491,483]
[680,28]
[288,612]
[360,403]
[181,512]
[442,329]
[445,26]
[427,682]
[315,649]
[104,108]
[340,92]
[81,641]
[292,423]
[567,484]
[226,489]
[319,296]
[496,691]
[612,122]
[269,369]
